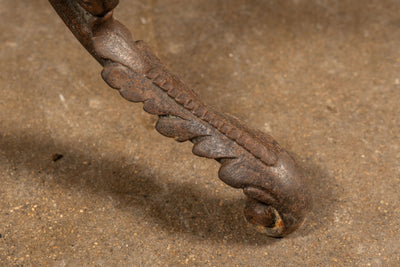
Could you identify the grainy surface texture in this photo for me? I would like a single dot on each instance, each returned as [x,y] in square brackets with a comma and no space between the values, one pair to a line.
[87,181]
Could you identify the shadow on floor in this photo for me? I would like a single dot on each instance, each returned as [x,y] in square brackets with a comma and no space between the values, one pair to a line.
[176,207]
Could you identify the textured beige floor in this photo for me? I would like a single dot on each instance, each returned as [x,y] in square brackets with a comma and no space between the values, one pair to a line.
[322,76]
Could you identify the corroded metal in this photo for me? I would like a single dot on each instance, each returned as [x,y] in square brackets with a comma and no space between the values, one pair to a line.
[277,198]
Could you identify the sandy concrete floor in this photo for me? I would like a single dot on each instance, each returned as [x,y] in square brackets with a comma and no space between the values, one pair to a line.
[323,77]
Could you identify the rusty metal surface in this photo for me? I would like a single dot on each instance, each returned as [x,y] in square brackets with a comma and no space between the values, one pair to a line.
[251,160]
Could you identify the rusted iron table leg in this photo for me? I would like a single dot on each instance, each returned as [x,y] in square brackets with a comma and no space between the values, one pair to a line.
[250,159]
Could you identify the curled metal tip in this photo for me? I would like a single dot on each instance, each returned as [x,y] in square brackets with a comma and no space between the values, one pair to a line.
[267,220]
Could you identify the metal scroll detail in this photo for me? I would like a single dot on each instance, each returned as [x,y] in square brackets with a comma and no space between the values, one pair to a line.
[277,199]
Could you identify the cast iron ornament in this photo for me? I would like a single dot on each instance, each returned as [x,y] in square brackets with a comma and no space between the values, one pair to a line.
[277,198]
